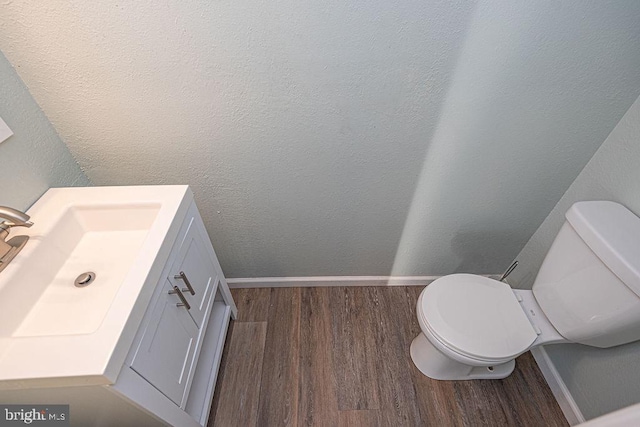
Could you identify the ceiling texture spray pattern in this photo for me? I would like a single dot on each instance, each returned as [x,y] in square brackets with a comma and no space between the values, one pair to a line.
[324,138]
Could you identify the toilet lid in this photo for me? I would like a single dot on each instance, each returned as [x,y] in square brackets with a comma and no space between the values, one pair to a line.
[477,316]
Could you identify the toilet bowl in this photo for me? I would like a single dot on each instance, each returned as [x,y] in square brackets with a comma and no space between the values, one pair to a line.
[473,327]
[587,291]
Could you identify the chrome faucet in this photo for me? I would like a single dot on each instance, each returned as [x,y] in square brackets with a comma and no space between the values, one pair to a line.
[10,248]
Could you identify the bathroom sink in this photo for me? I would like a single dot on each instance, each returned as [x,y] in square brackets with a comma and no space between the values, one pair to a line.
[38,295]
[57,322]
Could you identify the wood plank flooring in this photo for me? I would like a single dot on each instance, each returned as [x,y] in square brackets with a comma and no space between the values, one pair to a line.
[340,357]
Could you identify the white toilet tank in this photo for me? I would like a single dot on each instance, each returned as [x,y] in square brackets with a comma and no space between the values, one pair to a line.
[589,282]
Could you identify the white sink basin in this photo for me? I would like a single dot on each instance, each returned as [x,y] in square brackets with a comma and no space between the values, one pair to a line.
[102,238]
[50,327]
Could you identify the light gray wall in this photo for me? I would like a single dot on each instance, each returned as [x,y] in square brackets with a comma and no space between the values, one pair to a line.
[338,137]
[600,380]
[34,158]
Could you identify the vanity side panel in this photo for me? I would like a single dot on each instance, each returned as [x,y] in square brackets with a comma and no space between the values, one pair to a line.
[133,388]
[88,406]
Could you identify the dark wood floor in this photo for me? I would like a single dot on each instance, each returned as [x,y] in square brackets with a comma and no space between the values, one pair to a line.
[340,357]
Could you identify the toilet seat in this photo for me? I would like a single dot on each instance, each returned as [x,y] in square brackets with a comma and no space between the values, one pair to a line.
[476,317]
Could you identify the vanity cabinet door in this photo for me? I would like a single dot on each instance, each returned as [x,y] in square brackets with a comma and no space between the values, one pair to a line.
[194,268]
[164,356]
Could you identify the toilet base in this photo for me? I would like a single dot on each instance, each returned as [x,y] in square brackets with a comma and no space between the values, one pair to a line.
[434,364]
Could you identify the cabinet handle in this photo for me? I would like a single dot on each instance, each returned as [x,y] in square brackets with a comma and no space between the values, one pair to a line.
[186,282]
[184,303]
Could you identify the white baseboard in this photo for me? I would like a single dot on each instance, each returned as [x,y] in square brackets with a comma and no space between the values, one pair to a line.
[314,281]
[560,391]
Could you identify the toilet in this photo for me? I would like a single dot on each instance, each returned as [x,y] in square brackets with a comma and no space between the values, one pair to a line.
[587,291]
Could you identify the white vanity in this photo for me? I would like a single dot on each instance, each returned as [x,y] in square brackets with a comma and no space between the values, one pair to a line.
[136,343]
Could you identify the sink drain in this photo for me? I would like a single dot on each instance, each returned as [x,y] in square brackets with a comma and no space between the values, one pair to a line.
[85,279]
